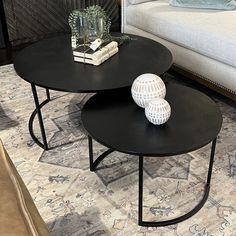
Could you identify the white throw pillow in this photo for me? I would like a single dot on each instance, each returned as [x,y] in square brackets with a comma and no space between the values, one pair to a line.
[139,1]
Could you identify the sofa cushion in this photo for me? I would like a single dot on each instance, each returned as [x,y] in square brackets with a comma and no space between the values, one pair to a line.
[207,4]
[208,32]
[18,214]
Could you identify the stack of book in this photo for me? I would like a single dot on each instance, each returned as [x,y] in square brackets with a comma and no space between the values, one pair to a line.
[85,54]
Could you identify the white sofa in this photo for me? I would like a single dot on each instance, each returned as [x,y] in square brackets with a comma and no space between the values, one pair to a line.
[203,42]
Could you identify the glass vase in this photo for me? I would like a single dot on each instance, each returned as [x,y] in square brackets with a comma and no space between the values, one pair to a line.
[95,28]
[81,26]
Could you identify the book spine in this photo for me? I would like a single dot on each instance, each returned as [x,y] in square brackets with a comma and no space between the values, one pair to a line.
[84,60]
[105,50]
[96,62]
[98,54]
[104,58]
[82,54]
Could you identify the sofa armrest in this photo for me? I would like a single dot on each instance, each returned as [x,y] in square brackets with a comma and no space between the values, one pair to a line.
[124,5]
[18,213]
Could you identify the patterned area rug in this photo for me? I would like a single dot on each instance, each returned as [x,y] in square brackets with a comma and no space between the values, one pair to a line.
[74,201]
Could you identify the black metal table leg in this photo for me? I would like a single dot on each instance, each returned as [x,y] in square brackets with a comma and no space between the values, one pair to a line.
[183,217]
[93,164]
[90,140]
[37,111]
[140,192]
[213,148]
[48,95]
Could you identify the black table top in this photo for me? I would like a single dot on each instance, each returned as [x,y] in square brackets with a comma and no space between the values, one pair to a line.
[114,120]
[49,64]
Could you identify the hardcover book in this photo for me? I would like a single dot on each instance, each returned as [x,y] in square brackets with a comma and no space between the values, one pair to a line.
[88,53]
[98,60]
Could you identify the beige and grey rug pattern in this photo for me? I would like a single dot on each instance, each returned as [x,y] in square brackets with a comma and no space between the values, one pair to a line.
[74,201]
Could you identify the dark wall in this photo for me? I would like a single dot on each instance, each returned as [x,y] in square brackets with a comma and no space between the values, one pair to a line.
[32,20]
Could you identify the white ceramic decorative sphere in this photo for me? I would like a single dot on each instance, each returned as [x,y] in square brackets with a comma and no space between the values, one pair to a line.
[147,87]
[158,111]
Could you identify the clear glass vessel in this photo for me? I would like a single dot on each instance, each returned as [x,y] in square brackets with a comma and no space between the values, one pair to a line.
[95,28]
[82,30]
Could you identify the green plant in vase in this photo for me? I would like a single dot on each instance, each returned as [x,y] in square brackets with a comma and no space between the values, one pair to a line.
[90,24]
[98,23]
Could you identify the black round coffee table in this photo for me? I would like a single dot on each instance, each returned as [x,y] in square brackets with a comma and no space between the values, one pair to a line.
[115,121]
[50,64]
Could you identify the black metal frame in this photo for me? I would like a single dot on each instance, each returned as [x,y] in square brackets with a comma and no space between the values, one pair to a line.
[37,111]
[93,165]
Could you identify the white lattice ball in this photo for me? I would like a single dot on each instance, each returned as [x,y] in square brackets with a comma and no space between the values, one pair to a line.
[147,87]
[158,111]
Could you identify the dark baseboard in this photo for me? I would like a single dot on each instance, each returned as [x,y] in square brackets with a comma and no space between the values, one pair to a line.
[207,84]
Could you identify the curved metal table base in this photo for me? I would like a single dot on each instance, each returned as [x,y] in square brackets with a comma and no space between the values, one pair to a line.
[141,222]
[93,164]
[37,111]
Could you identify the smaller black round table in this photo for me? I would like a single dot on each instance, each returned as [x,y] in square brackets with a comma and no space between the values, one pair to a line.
[118,123]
